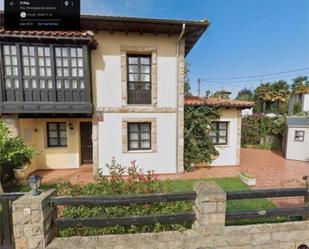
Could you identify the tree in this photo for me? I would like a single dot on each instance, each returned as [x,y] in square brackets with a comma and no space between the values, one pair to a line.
[300,85]
[245,94]
[187,86]
[198,144]
[270,95]
[208,93]
[222,94]
[13,154]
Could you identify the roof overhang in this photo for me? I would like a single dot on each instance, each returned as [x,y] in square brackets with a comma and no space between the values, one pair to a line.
[217,102]
[193,31]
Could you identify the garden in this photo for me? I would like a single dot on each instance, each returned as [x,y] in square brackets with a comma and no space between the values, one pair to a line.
[261,131]
[132,181]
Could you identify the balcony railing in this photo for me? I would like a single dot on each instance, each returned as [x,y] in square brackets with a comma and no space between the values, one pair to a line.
[139,97]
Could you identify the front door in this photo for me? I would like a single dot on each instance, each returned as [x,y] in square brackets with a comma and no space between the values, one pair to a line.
[86,142]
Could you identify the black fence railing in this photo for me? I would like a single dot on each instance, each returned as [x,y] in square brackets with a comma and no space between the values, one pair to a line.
[6,229]
[267,205]
[63,222]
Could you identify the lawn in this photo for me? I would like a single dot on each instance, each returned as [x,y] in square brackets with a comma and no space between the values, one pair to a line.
[228,184]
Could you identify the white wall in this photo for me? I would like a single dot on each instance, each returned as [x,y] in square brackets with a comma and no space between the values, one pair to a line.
[107,88]
[306,102]
[303,98]
[228,153]
[106,67]
[110,143]
[297,150]
[109,82]
[247,112]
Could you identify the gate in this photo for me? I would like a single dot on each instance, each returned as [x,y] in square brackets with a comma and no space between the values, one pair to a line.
[6,231]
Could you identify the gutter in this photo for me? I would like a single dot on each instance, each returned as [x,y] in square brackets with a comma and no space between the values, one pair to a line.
[177,91]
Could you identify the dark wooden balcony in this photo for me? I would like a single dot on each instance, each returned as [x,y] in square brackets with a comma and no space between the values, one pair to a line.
[46,102]
[44,79]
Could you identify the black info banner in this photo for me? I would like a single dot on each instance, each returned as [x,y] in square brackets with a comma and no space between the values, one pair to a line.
[42,14]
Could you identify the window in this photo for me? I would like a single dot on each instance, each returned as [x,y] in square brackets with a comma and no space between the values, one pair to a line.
[299,136]
[37,67]
[44,73]
[219,132]
[139,136]
[56,134]
[70,68]
[139,79]
[10,63]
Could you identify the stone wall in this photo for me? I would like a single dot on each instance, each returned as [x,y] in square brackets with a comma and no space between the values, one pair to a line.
[208,232]
[12,123]
[280,236]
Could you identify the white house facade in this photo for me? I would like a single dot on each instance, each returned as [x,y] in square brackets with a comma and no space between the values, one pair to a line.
[138,86]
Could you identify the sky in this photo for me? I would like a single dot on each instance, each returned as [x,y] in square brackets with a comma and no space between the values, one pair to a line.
[245,38]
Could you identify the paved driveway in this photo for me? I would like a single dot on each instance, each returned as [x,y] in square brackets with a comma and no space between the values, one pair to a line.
[270,169]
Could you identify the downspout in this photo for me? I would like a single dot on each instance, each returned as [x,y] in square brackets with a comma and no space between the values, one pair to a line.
[177,91]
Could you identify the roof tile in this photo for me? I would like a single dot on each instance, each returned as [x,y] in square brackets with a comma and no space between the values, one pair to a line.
[46,33]
[194,100]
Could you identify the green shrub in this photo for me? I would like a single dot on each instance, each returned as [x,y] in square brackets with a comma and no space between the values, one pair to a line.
[198,144]
[261,130]
[297,108]
[13,153]
[136,182]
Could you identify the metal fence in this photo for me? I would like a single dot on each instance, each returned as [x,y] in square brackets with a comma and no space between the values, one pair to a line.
[267,206]
[62,222]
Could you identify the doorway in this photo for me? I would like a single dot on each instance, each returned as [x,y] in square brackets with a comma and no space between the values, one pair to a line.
[86,142]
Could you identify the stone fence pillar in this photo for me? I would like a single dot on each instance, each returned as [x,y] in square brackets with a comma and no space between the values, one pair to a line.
[209,206]
[33,220]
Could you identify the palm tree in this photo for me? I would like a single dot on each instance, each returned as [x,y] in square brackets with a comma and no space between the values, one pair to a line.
[300,85]
[272,94]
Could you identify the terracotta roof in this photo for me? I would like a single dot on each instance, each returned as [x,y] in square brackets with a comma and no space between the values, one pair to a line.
[69,34]
[194,100]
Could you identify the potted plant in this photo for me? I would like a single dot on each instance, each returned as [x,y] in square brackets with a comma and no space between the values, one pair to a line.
[247,179]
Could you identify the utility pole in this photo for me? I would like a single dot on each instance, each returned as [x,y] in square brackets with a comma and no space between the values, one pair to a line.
[199,82]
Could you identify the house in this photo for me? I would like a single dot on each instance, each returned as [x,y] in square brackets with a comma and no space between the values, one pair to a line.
[115,89]
[301,99]
[226,132]
[295,144]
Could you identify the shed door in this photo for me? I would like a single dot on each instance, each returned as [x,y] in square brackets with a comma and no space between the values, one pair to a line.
[86,142]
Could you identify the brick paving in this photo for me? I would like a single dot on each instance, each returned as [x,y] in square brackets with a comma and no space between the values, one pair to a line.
[270,169]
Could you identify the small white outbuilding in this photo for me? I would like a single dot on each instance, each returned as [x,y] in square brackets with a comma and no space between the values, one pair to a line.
[296,139]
